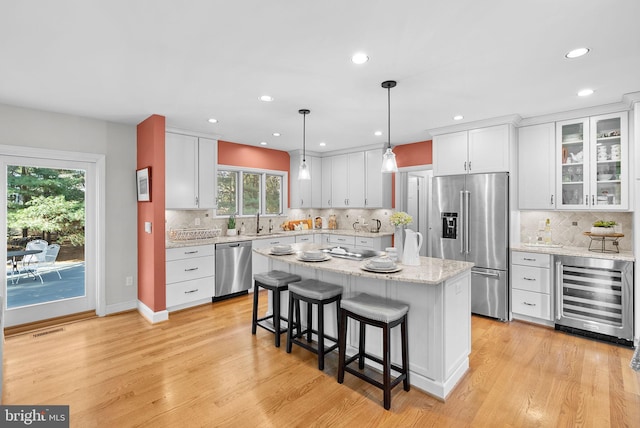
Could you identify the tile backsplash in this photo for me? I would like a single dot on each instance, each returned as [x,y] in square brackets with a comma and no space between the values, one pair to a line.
[187,219]
[568,227]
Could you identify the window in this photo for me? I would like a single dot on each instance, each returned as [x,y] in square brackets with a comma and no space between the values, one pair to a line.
[248,192]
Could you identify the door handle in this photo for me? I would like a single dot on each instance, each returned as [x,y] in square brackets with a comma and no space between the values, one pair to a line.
[488,274]
[462,220]
[558,290]
[466,218]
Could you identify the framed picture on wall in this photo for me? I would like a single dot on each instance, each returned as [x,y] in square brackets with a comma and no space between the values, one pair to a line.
[143,178]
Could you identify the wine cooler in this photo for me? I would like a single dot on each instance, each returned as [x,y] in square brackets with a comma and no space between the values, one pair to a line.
[595,298]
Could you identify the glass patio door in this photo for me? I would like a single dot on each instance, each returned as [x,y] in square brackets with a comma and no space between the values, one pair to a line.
[49,207]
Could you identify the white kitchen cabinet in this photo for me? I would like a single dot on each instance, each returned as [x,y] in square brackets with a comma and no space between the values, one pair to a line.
[347,180]
[190,172]
[592,158]
[536,167]
[327,168]
[378,243]
[306,193]
[470,152]
[190,276]
[531,287]
[377,184]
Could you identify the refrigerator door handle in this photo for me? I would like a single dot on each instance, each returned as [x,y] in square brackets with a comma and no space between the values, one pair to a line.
[467,197]
[462,220]
[489,274]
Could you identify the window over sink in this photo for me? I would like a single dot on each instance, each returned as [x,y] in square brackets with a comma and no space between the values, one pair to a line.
[250,191]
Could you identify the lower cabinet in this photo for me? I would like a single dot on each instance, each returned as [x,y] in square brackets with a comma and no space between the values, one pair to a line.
[531,297]
[190,276]
[378,243]
[259,263]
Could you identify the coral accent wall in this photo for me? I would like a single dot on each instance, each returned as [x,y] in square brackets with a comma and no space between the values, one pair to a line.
[252,157]
[414,154]
[151,246]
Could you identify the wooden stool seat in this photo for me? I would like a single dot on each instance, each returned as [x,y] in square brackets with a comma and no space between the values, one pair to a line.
[378,312]
[275,281]
[313,292]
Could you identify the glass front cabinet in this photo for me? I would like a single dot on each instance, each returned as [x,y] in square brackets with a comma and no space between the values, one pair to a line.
[593,163]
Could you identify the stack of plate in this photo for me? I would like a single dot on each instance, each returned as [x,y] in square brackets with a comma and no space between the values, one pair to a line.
[381,265]
[313,256]
[281,250]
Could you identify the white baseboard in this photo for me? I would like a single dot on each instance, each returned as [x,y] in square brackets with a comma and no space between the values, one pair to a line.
[151,316]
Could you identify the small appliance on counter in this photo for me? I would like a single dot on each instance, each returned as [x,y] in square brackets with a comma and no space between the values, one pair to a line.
[333,223]
[320,223]
[376,225]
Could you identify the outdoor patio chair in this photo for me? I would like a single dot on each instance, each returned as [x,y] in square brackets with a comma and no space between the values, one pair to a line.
[50,257]
[31,262]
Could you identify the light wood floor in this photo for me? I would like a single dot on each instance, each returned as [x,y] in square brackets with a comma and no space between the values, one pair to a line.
[204,368]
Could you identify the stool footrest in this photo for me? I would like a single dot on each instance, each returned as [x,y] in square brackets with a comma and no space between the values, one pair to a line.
[368,379]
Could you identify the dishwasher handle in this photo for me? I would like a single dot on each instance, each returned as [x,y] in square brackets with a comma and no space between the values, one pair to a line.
[231,245]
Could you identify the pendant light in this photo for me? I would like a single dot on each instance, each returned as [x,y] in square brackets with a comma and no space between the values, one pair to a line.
[303,172]
[389,158]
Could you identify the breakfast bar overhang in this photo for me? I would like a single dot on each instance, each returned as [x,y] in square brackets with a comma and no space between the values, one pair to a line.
[439,320]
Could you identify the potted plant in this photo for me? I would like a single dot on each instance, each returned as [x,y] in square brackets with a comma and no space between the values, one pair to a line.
[231,226]
[602,227]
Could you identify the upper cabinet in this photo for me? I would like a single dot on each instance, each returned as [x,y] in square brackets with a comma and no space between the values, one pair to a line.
[327,169]
[474,151]
[592,163]
[306,193]
[347,180]
[536,167]
[190,172]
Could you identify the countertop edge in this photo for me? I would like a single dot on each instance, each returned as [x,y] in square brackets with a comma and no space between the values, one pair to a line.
[293,233]
[576,252]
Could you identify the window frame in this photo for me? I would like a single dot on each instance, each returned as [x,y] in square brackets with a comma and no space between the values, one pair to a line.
[263,179]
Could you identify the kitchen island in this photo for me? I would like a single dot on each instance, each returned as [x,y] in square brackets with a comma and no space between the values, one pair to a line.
[439,299]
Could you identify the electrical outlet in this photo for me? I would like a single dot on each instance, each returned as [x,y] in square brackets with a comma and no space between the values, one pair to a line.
[574,223]
[197,221]
[129,281]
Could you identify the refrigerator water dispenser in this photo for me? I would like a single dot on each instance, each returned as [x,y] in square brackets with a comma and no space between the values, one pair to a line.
[449,225]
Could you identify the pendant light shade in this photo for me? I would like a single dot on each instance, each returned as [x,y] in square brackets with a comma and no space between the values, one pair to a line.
[303,171]
[389,158]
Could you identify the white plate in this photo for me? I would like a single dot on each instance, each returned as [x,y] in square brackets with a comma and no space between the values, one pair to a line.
[323,259]
[376,270]
[287,253]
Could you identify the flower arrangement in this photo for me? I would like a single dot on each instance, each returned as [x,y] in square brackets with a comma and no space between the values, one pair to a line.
[400,218]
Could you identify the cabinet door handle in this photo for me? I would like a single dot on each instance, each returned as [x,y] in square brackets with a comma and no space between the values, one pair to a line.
[586,199]
[301,202]
[551,199]
[593,199]
[469,165]
[365,202]
[465,165]
[528,279]
[328,202]
[191,269]
[528,304]
[190,291]
[528,259]
[197,201]
[191,252]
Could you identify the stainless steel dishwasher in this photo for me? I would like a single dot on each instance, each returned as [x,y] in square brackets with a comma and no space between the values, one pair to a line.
[233,269]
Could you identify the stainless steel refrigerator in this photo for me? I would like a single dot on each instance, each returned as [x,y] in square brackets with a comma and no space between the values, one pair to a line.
[470,221]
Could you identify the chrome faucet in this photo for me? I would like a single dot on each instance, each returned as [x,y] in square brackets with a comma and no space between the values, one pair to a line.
[258,228]
[270,226]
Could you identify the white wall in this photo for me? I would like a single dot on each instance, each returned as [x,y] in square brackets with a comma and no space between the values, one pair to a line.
[40,129]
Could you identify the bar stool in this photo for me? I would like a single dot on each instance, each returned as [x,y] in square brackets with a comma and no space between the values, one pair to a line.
[275,281]
[378,312]
[313,292]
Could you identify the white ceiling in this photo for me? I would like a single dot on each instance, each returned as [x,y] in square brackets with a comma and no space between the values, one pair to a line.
[123,60]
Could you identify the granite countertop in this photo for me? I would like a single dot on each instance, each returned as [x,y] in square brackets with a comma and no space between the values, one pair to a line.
[575,251]
[280,234]
[430,271]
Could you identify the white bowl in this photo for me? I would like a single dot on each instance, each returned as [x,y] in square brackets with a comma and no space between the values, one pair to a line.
[605,176]
[313,254]
[381,263]
[281,248]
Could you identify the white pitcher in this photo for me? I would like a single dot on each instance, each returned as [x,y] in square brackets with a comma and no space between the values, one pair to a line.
[412,244]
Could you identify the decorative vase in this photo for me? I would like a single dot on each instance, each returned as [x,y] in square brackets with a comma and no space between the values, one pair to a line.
[231,232]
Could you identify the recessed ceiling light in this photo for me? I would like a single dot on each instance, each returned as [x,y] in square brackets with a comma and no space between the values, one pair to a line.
[458,117]
[266,98]
[359,58]
[585,92]
[263,143]
[576,53]
[212,120]
[377,133]
[323,144]
[276,134]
